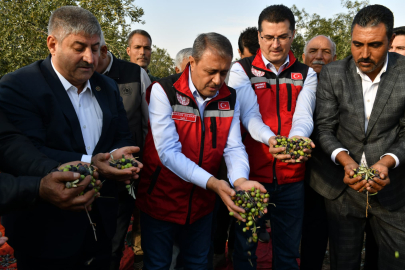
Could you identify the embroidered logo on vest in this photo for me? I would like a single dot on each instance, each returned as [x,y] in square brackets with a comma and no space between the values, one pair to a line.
[224,105]
[183,100]
[257,73]
[296,76]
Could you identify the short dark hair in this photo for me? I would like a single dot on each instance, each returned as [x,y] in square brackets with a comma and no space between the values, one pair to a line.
[399,31]
[248,39]
[140,32]
[216,41]
[276,14]
[373,15]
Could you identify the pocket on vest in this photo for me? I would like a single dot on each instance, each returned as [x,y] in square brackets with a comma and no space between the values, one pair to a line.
[153,179]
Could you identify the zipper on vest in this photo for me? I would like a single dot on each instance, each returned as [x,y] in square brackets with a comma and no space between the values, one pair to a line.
[199,164]
[214,132]
[289,93]
[279,123]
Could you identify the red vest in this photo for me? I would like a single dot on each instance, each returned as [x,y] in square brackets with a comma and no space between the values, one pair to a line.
[161,193]
[277,98]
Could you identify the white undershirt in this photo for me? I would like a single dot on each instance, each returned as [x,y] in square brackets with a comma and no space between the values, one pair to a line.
[88,112]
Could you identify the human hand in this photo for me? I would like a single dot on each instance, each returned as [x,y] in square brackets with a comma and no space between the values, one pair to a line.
[377,184]
[52,189]
[3,239]
[274,151]
[101,161]
[355,183]
[307,151]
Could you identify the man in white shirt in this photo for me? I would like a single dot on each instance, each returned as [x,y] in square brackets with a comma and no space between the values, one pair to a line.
[132,82]
[360,121]
[277,97]
[194,121]
[70,113]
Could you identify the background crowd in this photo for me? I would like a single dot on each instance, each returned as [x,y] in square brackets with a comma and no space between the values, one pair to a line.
[83,104]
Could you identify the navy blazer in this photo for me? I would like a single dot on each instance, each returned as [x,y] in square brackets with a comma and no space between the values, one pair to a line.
[35,101]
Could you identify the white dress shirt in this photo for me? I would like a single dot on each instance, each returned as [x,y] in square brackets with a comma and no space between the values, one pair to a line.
[88,112]
[145,82]
[302,123]
[168,146]
[369,93]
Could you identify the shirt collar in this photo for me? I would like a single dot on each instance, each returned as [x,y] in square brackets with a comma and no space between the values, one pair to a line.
[66,84]
[194,90]
[364,76]
[109,55]
[266,62]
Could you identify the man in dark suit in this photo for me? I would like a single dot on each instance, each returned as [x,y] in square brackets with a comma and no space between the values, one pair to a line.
[18,156]
[360,120]
[132,82]
[69,113]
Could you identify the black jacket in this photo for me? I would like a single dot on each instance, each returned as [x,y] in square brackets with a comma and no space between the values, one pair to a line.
[18,156]
[36,102]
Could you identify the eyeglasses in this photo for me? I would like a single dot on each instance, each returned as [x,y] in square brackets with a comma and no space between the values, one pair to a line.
[281,39]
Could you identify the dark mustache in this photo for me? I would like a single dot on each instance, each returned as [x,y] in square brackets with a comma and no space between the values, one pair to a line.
[85,65]
[365,60]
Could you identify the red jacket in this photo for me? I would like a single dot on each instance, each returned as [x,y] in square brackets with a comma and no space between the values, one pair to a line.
[161,193]
[277,98]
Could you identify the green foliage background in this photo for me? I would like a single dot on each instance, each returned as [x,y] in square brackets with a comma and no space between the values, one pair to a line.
[338,28]
[24,23]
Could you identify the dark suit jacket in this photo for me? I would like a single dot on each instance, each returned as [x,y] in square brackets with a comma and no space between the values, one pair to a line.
[128,77]
[19,157]
[36,102]
[340,120]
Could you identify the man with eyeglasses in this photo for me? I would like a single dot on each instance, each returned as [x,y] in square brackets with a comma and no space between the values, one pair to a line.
[276,94]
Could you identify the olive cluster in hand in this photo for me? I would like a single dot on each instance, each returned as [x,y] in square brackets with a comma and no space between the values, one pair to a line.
[366,173]
[293,146]
[84,170]
[253,203]
[124,163]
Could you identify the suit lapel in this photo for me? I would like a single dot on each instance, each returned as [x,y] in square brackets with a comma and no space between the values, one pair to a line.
[385,87]
[99,90]
[356,93]
[63,101]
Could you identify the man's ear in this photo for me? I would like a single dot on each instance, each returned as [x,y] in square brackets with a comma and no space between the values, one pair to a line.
[303,57]
[193,62]
[128,50]
[334,57]
[103,51]
[51,42]
[177,70]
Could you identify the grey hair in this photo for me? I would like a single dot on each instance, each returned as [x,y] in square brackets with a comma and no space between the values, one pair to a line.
[72,20]
[330,40]
[215,41]
[181,55]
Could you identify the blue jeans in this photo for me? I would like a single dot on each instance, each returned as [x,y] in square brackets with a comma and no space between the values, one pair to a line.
[158,238]
[286,226]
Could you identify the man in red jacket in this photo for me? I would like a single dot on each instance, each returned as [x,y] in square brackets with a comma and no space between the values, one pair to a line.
[194,121]
[277,96]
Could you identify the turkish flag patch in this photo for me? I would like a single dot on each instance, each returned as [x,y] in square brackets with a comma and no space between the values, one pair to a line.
[296,76]
[224,105]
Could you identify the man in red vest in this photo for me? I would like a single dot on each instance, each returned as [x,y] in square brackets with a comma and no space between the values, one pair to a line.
[194,121]
[277,97]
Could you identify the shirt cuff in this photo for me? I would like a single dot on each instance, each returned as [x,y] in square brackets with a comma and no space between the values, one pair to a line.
[394,157]
[86,158]
[200,177]
[336,152]
[266,135]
